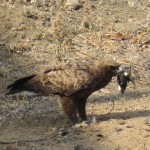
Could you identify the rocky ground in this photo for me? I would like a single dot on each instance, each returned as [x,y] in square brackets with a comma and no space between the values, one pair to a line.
[35,34]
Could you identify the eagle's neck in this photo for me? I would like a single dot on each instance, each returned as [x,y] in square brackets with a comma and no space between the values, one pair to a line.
[102,77]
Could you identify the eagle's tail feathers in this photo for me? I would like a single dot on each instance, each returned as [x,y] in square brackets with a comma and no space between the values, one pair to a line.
[19,85]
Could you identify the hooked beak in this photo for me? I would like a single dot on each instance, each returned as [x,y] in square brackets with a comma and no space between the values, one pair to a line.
[116,70]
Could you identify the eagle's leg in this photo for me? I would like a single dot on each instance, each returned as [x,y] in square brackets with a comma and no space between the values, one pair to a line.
[69,108]
[81,108]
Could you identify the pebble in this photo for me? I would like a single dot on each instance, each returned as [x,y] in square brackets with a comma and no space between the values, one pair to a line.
[134,4]
[73,4]
[147,121]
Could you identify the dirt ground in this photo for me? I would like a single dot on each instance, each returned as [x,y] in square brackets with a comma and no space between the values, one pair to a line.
[35,34]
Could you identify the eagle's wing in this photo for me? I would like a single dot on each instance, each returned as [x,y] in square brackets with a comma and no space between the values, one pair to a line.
[65,80]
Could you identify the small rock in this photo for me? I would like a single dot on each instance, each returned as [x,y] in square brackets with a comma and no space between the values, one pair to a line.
[73,4]
[148,130]
[130,126]
[82,124]
[11,147]
[63,133]
[100,135]
[101,2]
[30,14]
[117,132]
[121,122]
[78,147]
[134,4]
[94,119]
[147,121]
[95,131]
[85,23]
[146,136]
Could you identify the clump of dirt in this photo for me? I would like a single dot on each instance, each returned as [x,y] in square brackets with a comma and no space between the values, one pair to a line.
[35,34]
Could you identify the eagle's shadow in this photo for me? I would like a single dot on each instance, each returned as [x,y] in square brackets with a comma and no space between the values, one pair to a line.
[133,95]
[122,115]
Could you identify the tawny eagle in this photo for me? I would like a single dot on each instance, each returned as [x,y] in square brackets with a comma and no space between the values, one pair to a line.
[74,82]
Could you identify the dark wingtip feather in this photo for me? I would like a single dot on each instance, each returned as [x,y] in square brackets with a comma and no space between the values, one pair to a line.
[18,86]
[9,86]
[11,92]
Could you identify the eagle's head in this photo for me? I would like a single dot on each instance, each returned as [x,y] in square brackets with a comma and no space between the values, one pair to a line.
[111,66]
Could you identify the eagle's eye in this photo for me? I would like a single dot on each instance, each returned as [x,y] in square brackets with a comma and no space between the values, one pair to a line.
[114,68]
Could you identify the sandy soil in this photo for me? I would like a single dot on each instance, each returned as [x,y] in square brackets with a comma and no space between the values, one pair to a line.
[35,34]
